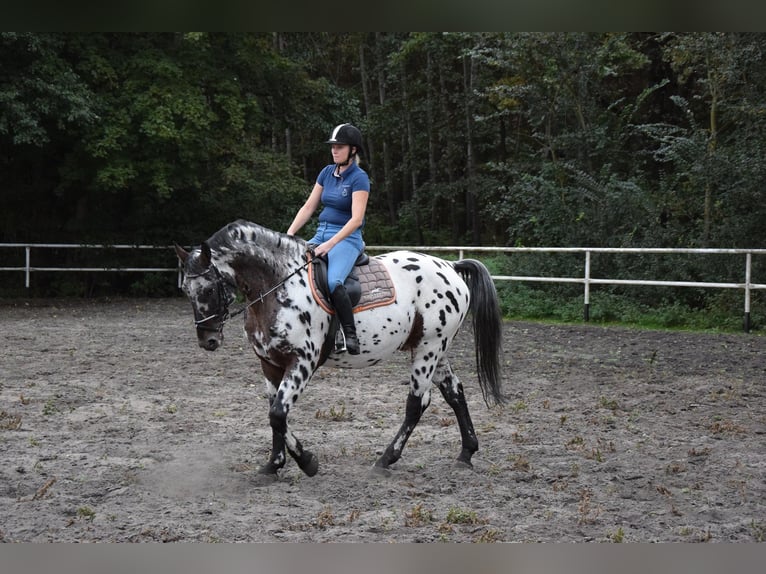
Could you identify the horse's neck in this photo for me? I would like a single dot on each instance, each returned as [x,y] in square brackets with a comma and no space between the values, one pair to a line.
[258,252]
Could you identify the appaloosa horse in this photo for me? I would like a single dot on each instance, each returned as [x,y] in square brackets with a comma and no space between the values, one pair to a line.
[289,327]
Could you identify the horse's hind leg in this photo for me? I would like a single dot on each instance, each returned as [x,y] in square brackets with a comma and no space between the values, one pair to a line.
[452,390]
[417,401]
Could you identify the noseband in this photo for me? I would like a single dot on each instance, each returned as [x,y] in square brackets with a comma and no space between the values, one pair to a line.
[223,303]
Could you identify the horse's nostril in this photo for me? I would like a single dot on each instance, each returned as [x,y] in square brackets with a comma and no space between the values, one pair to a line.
[209,344]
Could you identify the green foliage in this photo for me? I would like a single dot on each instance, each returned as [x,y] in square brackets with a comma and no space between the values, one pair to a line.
[496,138]
[154,285]
[522,302]
[40,93]
[518,301]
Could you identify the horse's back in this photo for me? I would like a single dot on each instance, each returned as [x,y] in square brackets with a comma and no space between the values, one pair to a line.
[431,302]
[430,287]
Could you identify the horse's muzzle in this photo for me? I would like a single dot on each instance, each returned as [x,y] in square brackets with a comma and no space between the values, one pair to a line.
[208,340]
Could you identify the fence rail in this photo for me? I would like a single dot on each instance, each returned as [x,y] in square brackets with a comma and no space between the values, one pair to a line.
[28,268]
[586,279]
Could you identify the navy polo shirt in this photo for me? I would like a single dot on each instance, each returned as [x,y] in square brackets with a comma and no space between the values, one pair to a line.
[337,191]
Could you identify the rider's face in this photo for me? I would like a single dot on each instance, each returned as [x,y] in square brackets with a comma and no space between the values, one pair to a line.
[340,152]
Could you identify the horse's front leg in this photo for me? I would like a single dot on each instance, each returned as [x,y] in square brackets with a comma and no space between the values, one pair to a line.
[277,459]
[280,401]
[283,438]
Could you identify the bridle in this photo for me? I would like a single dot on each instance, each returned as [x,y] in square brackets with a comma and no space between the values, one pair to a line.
[223,299]
[224,295]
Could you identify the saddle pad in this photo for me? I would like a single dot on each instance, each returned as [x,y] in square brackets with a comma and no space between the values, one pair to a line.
[377,288]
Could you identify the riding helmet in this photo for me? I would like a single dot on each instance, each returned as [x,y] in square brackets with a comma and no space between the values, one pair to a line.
[346,134]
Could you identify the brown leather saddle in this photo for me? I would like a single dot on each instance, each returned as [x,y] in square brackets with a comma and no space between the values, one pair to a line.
[369,284]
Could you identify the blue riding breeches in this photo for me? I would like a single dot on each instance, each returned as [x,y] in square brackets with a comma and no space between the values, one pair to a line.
[341,258]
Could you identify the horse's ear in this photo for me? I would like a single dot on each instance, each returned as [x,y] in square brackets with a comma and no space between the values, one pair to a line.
[206,256]
[181,252]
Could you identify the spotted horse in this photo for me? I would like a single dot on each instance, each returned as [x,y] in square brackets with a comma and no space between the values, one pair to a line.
[288,328]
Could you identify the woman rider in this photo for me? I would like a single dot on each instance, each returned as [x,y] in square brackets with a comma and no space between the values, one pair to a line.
[342,188]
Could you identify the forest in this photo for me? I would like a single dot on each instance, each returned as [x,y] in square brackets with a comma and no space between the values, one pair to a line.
[476,139]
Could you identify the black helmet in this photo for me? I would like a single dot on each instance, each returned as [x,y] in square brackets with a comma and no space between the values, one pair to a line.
[346,134]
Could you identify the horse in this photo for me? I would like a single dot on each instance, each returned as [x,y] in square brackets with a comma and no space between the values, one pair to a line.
[288,328]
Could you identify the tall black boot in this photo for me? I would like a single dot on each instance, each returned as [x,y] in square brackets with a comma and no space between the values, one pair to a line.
[343,308]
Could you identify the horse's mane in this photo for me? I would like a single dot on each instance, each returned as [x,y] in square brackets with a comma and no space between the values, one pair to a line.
[245,235]
[242,236]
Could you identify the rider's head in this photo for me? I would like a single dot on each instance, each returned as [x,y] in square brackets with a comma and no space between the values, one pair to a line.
[347,143]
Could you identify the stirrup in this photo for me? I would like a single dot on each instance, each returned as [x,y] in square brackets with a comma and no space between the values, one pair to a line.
[340,341]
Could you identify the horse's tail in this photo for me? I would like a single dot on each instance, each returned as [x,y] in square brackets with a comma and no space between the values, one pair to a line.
[487,327]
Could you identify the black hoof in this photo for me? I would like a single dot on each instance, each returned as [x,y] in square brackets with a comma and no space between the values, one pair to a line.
[309,463]
[459,463]
[268,469]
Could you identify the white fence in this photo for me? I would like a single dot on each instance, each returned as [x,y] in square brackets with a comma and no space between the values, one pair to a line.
[586,279]
[28,268]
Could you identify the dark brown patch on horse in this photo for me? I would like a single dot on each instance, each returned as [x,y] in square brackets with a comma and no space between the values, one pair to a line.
[416,334]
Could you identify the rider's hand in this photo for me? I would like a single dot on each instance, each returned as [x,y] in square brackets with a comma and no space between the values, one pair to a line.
[323,249]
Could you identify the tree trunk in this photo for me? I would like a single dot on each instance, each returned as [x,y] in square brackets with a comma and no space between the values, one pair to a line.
[432,169]
[449,167]
[410,155]
[368,141]
[472,211]
[711,148]
[388,188]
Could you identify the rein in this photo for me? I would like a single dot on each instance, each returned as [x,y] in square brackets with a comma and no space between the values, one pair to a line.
[223,291]
[270,291]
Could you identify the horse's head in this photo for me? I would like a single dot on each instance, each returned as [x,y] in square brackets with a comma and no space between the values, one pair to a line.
[209,292]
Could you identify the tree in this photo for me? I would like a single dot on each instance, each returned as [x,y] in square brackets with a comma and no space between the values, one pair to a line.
[712,147]
[44,107]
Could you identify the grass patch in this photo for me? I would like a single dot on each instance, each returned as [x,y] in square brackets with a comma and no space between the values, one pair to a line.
[86,512]
[418,516]
[565,304]
[336,414]
[457,515]
[9,421]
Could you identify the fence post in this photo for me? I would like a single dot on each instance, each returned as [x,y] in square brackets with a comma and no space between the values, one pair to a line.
[748,263]
[586,307]
[26,278]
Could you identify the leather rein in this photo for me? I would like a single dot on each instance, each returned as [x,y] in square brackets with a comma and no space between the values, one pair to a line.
[223,296]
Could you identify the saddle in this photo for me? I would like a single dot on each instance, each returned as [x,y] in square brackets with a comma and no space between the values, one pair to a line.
[369,285]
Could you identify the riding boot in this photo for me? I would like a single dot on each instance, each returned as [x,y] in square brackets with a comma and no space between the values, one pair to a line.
[342,304]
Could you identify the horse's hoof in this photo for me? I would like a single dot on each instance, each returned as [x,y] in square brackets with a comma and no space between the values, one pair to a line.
[311,466]
[380,472]
[466,464]
[268,469]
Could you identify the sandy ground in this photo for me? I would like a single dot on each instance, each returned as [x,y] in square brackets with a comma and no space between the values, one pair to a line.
[115,426]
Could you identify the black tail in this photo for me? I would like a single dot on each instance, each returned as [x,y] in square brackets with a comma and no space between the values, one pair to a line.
[487,327]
